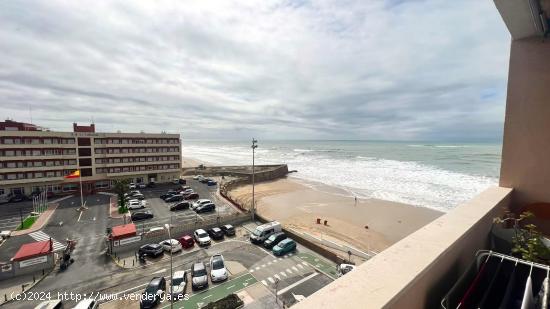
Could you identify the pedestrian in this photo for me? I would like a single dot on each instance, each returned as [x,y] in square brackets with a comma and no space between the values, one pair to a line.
[356,201]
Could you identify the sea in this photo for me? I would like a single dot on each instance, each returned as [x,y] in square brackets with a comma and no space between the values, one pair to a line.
[435,175]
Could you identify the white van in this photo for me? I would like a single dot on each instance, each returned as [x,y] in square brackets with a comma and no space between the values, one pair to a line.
[86,303]
[262,232]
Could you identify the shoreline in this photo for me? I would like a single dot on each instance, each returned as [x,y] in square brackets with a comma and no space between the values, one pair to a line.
[368,225]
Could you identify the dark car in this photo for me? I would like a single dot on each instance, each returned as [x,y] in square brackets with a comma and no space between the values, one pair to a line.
[191,196]
[174,198]
[17,198]
[153,250]
[199,276]
[205,208]
[153,293]
[215,233]
[179,206]
[151,184]
[228,229]
[142,215]
[274,239]
[211,182]
[185,187]
[182,181]
[168,194]
[204,180]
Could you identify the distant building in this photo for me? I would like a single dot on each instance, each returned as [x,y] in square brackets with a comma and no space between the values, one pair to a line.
[33,158]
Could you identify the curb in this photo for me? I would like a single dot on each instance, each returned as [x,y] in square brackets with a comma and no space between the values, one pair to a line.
[29,288]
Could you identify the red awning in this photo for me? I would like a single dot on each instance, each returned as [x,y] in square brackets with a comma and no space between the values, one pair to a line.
[33,249]
[123,231]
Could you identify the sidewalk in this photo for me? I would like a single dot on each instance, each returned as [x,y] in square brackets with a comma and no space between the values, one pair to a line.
[113,209]
[40,222]
[12,287]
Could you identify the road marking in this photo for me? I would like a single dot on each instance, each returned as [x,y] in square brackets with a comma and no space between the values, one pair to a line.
[251,271]
[300,265]
[294,268]
[230,287]
[275,261]
[80,216]
[277,277]
[258,268]
[270,279]
[283,274]
[289,271]
[297,283]
[159,271]
[263,265]
[207,296]
[268,263]
[41,236]
[280,259]
[305,263]
[263,282]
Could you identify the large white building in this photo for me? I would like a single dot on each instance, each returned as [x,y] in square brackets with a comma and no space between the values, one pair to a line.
[34,159]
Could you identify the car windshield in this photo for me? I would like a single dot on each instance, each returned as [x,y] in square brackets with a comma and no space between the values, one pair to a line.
[199,272]
[177,281]
[202,235]
[256,233]
[217,264]
[272,237]
[151,289]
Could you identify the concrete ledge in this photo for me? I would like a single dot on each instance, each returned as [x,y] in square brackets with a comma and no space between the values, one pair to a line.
[418,270]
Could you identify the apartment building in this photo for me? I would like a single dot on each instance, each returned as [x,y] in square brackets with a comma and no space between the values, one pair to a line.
[33,158]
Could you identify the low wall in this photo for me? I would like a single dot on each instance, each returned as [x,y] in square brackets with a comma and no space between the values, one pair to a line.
[15,268]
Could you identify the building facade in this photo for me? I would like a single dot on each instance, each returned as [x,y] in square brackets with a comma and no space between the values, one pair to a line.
[35,159]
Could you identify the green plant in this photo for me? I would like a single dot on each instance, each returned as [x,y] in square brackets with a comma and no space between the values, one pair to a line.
[120,186]
[527,241]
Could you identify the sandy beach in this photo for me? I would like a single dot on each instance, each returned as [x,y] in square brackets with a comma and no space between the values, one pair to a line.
[369,224]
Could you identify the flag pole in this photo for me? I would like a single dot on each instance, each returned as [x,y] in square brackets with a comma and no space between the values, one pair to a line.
[81,196]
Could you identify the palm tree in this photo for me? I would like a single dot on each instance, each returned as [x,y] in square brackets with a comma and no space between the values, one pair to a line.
[120,186]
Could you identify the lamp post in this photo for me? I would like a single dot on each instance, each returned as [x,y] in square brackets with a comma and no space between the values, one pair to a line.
[276,290]
[167,227]
[254,146]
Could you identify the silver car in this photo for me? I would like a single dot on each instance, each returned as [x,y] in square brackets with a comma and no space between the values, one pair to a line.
[179,281]
[199,276]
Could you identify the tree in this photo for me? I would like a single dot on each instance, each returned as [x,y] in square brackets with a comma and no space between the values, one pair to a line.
[121,187]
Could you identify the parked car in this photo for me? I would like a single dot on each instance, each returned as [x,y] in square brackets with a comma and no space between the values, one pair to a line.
[345,268]
[178,284]
[174,198]
[135,204]
[152,250]
[171,245]
[205,208]
[191,196]
[142,215]
[262,232]
[211,182]
[218,272]
[132,186]
[204,180]
[187,191]
[274,239]
[215,233]
[182,181]
[198,177]
[284,246]
[86,303]
[151,184]
[153,293]
[139,196]
[199,276]
[185,187]
[15,198]
[168,194]
[176,181]
[187,242]
[228,230]
[197,203]
[50,304]
[180,206]
[201,237]
[141,185]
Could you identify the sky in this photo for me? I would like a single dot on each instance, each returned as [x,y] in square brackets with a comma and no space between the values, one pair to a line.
[367,69]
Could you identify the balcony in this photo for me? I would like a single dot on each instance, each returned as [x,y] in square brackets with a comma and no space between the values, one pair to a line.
[176,170]
[417,271]
[32,180]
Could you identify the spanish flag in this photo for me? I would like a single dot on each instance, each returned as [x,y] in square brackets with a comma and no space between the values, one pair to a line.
[74,174]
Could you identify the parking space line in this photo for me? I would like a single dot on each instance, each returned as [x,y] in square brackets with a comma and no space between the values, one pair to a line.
[277,277]
[270,279]
[300,266]
[263,282]
[294,268]
[230,287]
[305,263]
[289,271]
[283,274]
[258,268]
[251,271]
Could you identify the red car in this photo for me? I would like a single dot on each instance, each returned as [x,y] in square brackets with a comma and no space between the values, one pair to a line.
[186,241]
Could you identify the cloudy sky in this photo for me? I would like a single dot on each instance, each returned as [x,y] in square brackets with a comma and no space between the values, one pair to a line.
[366,69]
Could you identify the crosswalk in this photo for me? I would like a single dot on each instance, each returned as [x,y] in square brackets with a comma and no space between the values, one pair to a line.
[41,236]
[273,269]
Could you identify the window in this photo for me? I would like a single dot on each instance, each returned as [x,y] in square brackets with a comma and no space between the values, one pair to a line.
[49,163]
[38,175]
[84,152]
[86,172]
[47,141]
[84,141]
[9,153]
[12,176]
[102,184]
[85,162]
[50,174]
[8,141]
[36,152]
[70,187]
[11,164]
[37,163]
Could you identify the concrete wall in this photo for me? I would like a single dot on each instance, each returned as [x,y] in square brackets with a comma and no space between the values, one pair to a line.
[526,146]
[417,271]
[37,269]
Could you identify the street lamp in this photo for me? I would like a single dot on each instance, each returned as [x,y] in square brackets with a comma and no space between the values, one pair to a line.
[276,290]
[167,227]
[254,146]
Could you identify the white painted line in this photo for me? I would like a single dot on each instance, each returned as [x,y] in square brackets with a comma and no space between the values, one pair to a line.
[300,266]
[251,271]
[289,271]
[291,254]
[207,296]
[230,287]
[275,261]
[280,259]
[263,265]
[277,277]
[263,282]
[159,271]
[305,263]
[258,268]
[268,263]
[283,274]
[297,283]
[294,268]
[270,279]
[80,216]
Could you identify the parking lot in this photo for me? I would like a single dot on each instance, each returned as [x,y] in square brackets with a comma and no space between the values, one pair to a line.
[163,215]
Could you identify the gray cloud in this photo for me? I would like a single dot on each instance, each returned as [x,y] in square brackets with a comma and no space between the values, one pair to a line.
[272,69]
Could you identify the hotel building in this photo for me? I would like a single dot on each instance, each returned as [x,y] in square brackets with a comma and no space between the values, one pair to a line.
[33,158]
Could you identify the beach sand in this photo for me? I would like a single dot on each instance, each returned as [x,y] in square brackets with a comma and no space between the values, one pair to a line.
[298,203]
